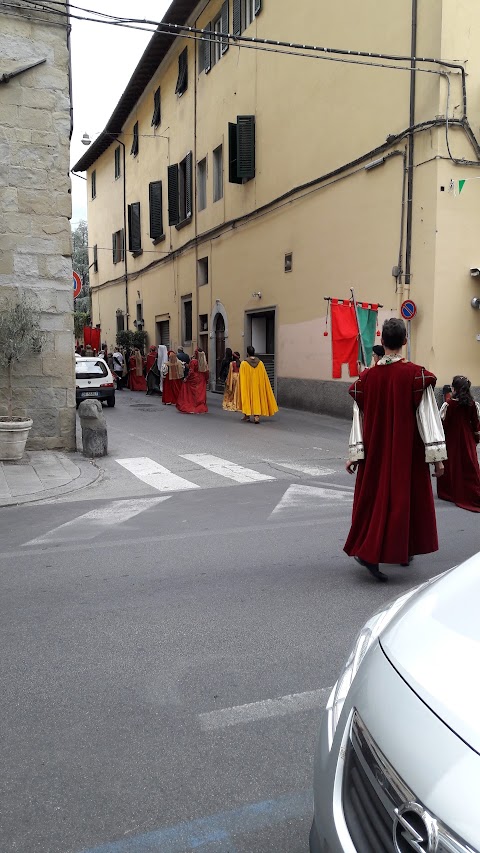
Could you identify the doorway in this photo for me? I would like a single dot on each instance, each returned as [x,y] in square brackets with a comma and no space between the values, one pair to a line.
[260,333]
[219,350]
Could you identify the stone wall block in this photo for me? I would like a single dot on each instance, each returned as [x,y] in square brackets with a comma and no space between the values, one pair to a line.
[46,77]
[34,119]
[63,204]
[9,199]
[11,93]
[6,263]
[39,245]
[53,225]
[44,137]
[64,344]
[42,99]
[29,178]
[58,267]
[68,419]
[9,113]
[5,151]
[45,422]
[32,367]
[32,157]
[30,202]
[26,265]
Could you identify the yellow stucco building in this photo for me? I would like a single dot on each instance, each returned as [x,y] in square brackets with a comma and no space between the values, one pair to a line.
[254,180]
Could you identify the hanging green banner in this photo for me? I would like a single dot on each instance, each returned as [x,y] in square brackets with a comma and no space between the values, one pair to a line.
[461,185]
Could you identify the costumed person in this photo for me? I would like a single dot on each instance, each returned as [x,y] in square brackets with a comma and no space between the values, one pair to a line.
[461,422]
[377,353]
[152,371]
[162,361]
[192,399]
[202,362]
[172,379]
[230,397]
[184,358]
[136,379]
[225,365]
[255,395]
[396,433]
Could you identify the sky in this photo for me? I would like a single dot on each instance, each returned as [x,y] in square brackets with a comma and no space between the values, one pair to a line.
[103,60]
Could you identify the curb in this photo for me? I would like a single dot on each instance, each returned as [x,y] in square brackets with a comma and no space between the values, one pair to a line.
[88,473]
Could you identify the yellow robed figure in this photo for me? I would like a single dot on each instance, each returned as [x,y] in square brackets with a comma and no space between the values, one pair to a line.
[255,395]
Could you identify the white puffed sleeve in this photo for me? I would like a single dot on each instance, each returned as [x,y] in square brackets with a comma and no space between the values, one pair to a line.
[356,450]
[430,427]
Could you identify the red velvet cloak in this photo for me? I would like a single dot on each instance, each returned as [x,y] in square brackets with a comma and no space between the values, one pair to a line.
[192,399]
[393,509]
[171,390]
[461,481]
[135,383]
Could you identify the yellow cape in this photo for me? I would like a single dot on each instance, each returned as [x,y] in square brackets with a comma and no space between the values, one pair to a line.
[255,395]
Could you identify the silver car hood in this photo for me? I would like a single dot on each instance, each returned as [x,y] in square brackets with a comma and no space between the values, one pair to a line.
[434,643]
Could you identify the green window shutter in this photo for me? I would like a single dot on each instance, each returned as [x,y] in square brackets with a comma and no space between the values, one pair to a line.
[246,147]
[134,232]
[173,212]
[232,154]
[188,185]
[237,17]
[156,217]
[225,26]
[258,7]
[207,47]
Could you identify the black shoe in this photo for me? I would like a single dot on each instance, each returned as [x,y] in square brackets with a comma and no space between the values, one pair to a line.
[373,569]
[409,561]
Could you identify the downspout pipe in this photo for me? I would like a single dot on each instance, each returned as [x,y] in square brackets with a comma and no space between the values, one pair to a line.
[411,152]
[125,230]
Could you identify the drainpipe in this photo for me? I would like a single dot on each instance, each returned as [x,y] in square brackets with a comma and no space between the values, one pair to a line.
[124,228]
[405,292]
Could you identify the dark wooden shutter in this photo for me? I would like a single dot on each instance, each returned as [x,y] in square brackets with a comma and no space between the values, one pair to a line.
[246,147]
[134,148]
[237,17]
[114,248]
[188,185]
[95,258]
[156,217]
[122,245]
[157,114]
[225,26]
[258,7]
[173,212]
[232,154]
[182,80]
[134,233]
[207,46]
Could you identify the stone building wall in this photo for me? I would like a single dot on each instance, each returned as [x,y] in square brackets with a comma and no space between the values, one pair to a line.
[35,208]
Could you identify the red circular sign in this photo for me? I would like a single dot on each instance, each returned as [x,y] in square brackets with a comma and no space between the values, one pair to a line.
[408,309]
[77,285]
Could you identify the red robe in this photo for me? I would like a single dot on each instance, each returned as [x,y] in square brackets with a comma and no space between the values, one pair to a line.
[135,383]
[393,509]
[171,390]
[461,481]
[192,399]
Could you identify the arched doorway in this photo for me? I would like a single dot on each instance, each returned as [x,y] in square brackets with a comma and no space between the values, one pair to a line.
[219,349]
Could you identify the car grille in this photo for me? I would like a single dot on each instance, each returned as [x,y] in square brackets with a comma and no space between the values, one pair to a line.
[372,792]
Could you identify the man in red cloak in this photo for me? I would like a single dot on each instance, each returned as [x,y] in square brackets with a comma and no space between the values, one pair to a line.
[396,432]
[192,399]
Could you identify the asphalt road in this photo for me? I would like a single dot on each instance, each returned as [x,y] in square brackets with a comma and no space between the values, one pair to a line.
[168,638]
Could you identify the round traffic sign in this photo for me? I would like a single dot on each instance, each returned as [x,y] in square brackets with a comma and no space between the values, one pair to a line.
[77,285]
[408,309]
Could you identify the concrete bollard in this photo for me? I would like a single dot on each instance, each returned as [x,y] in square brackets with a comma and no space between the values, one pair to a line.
[94,429]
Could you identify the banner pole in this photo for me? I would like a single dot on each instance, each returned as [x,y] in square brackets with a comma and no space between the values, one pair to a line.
[358,326]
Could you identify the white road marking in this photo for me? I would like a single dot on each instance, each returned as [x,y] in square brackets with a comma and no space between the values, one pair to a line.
[311,470]
[156,475]
[94,522]
[226,468]
[299,498]
[294,703]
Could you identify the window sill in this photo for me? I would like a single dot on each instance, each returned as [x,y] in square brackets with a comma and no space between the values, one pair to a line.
[183,223]
[158,239]
[137,253]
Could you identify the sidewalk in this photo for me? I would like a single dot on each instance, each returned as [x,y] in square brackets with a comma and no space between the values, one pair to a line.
[44,474]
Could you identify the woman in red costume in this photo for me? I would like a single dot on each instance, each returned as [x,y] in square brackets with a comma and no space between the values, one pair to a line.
[172,380]
[136,379]
[461,422]
[192,399]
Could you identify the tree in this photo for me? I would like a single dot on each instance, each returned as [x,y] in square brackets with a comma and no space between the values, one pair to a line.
[20,336]
[80,319]
[80,254]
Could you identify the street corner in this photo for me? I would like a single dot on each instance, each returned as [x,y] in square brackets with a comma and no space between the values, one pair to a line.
[44,475]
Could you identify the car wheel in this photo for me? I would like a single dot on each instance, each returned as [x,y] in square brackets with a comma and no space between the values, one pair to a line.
[110,402]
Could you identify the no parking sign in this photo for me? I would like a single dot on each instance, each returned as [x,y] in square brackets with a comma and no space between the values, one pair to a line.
[77,285]
[408,309]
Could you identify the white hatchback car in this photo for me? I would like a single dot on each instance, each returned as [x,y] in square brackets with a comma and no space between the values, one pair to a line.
[94,379]
[397,766]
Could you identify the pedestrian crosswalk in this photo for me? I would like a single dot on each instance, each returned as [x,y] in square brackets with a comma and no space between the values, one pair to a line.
[206,470]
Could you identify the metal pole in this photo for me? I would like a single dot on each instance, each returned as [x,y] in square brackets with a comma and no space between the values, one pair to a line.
[362,347]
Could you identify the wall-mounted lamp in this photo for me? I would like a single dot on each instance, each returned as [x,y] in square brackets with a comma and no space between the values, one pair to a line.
[475,303]
[374,164]
[257,294]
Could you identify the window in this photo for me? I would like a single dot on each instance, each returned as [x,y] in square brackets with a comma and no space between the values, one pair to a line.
[94,183]
[202,271]
[218,173]
[156,211]
[202,184]
[134,148]
[139,317]
[182,80]
[180,192]
[157,112]
[187,319]
[90,369]
[203,323]
[118,168]
[95,258]
[241,155]
[244,12]
[134,231]
[120,321]
[118,240]
[212,48]
[289,262]
[163,332]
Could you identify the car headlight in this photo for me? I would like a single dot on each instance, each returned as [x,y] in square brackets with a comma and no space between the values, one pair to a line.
[366,638]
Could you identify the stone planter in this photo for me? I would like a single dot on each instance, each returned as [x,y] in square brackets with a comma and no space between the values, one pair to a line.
[13,437]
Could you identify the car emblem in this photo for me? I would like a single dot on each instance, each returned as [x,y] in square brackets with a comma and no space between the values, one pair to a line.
[414,829]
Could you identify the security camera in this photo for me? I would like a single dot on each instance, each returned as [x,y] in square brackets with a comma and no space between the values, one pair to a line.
[474,271]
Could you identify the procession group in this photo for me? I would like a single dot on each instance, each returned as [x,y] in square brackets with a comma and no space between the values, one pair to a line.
[182,381]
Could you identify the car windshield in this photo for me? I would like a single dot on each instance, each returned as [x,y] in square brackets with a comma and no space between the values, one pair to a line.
[90,369]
